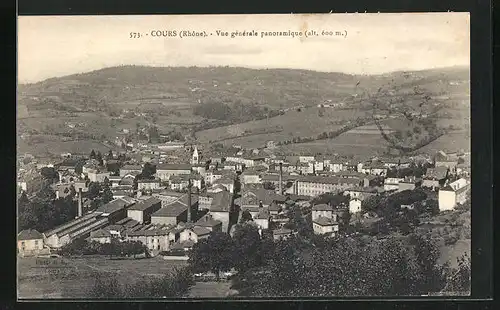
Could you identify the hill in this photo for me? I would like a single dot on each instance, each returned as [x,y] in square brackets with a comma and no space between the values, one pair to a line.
[237,102]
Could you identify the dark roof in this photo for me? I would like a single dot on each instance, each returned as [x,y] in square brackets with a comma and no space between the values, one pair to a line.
[173,167]
[172,210]
[255,196]
[275,177]
[437,173]
[149,181]
[200,231]
[101,233]
[263,215]
[274,207]
[329,180]
[114,206]
[149,232]
[145,204]
[29,234]
[221,202]
[131,167]
[282,231]
[207,221]
[324,221]
[322,207]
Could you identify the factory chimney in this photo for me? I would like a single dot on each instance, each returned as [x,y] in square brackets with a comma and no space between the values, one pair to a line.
[189,201]
[80,202]
[281,179]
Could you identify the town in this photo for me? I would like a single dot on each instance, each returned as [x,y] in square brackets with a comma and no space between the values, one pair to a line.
[170,196]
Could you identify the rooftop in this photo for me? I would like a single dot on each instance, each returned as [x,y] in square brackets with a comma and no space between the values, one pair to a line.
[207,221]
[322,207]
[329,180]
[221,202]
[145,204]
[114,206]
[324,221]
[437,173]
[173,167]
[29,234]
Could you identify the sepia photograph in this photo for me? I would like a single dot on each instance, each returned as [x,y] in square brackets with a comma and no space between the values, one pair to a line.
[243,156]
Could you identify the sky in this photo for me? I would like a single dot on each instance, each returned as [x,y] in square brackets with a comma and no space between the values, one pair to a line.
[52,46]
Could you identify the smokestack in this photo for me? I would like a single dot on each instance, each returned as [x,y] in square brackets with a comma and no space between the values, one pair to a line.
[189,201]
[281,179]
[80,202]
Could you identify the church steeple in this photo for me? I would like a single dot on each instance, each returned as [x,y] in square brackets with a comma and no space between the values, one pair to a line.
[195,158]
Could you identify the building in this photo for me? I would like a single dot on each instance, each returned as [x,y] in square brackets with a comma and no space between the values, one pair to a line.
[392,184]
[361,193]
[127,169]
[145,184]
[141,211]
[221,207]
[97,175]
[195,157]
[194,234]
[444,160]
[155,239]
[205,199]
[114,180]
[322,210]
[325,226]
[209,223]
[282,234]
[116,209]
[409,183]
[80,227]
[435,177]
[30,243]
[165,171]
[318,185]
[176,211]
[262,219]
[355,205]
[453,194]
[250,176]
[179,182]
[253,200]
[335,166]
[226,181]
[101,236]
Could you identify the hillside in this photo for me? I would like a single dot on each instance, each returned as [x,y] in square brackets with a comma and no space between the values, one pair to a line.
[254,102]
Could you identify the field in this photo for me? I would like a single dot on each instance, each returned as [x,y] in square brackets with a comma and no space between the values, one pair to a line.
[70,278]
[210,290]
[293,123]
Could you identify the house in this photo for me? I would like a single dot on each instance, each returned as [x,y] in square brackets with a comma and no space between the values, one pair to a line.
[97,175]
[205,199]
[116,209]
[262,219]
[324,226]
[101,236]
[322,210]
[391,184]
[361,192]
[306,158]
[141,211]
[200,168]
[216,188]
[282,234]
[145,184]
[92,164]
[444,160]
[453,194]
[30,243]
[127,169]
[253,200]
[167,196]
[114,180]
[221,207]
[355,205]
[398,163]
[274,208]
[374,168]
[179,182]
[155,239]
[226,181]
[129,179]
[409,183]
[250,176]
[233,166]
[194,234]
[463,170]
[335,166]
[77,228]
[209,223]
[122,191]
[197,181]
[317,185]
[435,177]
[174,212]
[165,171]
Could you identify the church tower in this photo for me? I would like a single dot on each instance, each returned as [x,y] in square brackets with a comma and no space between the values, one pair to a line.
[195,158]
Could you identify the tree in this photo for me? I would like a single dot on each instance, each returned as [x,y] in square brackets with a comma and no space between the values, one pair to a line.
[213,254]
[92,155]
[107,194]
[79,167]
[49,173]
[148,171]
[110,155]
[246,216]
[460,278]
[99,158]
[247,246]
[94,190]
[269,186]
